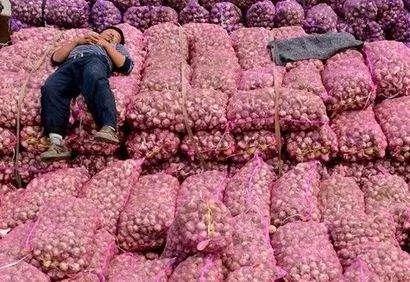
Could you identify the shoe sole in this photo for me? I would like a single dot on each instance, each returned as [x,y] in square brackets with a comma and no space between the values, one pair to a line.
[106,139]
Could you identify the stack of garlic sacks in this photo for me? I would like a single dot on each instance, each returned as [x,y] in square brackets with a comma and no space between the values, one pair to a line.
[200,188]
[368,20]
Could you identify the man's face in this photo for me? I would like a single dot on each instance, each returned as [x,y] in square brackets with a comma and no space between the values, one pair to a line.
[111,36]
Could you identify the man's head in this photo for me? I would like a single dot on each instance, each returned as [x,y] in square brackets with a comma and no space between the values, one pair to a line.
[113,34]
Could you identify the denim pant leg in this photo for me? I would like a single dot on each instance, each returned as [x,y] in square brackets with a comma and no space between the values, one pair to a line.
[56,95]
[96,90]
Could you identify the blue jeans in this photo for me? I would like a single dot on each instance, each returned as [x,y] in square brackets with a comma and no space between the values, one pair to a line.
[87,75]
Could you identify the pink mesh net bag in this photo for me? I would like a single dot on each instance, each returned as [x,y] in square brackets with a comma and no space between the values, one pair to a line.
[213,145]
[305,75]
[202,222]
[264,272]
[348,82]
[167,49]
[250,242]
[255,109]
[340,196]
[7,142]
[27,203]
[214,63]
[352,233]
[149,213]
[206,110]
[249,188]
[393,116]
[248,144]
[384,192]
[15,244]
[387,261]
[359,271]
[304,251]
[250,45]
[110,189]
[359,135]
[19,271]
[130,267]
[389,63]
[294,196]
[155,146]
[63,236]
[199,268]
[318,144]
[93,163]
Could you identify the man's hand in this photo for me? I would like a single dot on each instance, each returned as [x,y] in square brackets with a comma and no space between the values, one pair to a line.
[103,43]
[91,38]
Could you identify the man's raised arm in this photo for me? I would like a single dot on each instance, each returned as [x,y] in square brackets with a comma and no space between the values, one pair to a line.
[61,53]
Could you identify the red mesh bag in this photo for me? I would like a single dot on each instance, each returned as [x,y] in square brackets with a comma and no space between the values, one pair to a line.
[203,145]
[393,116]
[199,268]
[63,236]
[250,45]
[255,109]
[202,222]
[155,146]
[306,76]
[359,271]
[352,233]
[130,267]
[386,192]
[260,77]
[318,144]
[83,142]
[93,163]
[27,203]
[339,196]
[294,196]
[7,142]
[28,167]
[149,213]
[348,82]
[207,184]
[202,225]
[214,63]
[16,243]
[206,110]
[264,272]
[261,142]
[105,248]
[250,242]
[387,261]
[359,135]
[249,188]
[389,63]
[287,32]
[109,190]
[304,251]
[19,271]
[167,49]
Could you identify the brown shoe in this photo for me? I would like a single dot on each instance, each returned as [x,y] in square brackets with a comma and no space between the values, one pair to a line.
[56,153]
[107,134]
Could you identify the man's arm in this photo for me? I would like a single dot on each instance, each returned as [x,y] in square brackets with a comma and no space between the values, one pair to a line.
[121,61]
[61,54]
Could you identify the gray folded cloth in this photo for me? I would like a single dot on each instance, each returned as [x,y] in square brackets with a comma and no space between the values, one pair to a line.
[315,46]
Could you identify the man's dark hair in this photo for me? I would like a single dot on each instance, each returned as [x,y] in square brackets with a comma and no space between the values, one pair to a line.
[117,30]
